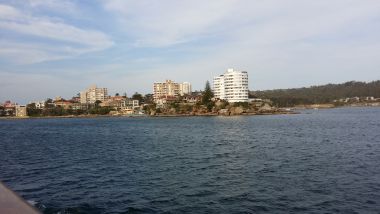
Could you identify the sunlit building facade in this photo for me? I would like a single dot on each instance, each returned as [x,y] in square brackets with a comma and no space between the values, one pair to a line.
[92,94]
[170,89]
[231,86]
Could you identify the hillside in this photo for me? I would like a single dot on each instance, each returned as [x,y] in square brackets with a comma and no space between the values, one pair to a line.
[319,94]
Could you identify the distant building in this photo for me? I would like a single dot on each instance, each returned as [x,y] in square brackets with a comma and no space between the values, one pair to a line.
[9,108]
[92,94]
[114,102]
[192,98]
[231,86]
[184,88]
[21,111]
[63,103]
[130,104]
[39,104]
[169,88]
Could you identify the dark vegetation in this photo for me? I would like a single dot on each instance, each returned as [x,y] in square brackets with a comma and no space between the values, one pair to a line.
[319,94]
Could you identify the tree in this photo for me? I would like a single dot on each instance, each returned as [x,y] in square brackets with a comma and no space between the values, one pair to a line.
[148,99]
[117,94]
[32,110]
[97,103]
[206,96]
[2,111]
[49,103]
[138,97]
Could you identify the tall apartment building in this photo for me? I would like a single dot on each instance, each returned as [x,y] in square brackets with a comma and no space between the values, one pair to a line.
[92,94]
[170,88]
[231,86]
[184,88]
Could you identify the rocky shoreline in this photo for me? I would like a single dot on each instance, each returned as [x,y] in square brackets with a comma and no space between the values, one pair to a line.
[158,115]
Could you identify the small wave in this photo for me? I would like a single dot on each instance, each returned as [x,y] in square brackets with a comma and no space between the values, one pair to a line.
[31,202]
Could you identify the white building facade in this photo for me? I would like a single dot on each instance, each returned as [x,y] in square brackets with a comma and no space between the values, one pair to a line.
[92,94]
[231,86]
[184,88]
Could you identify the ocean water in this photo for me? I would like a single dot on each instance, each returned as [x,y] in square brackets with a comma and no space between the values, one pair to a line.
[319,161]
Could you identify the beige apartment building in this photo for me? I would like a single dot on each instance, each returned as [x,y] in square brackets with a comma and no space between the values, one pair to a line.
[92,94]
[169,88]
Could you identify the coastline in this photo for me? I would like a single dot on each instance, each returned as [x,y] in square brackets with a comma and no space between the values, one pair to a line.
[282,111]
[152,116]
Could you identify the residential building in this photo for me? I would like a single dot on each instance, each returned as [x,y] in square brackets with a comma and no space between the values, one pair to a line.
[114,102]
[231,86]
[192,98]
[9,108]
[92,94]
[165,100]
[21,111]
[184,88]
[39,104]
[219,89]
[130,104]
[63,103]
[169,88]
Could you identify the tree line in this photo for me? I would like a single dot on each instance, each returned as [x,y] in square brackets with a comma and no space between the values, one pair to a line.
[319,94]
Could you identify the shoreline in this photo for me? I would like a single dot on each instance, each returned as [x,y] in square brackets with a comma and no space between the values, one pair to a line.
[150,116]
[291,111]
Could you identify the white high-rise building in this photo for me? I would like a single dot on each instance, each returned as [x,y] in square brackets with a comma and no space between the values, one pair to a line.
[92,94]
[231,86]
[184,88]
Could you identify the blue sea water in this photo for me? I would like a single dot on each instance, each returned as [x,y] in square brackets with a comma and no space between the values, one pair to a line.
[319,161]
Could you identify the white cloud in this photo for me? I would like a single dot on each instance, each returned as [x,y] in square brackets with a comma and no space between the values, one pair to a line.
[169,22]
[164,23]
[67,40]
[56,5]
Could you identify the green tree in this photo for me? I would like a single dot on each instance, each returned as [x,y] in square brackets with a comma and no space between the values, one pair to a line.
[49,103]
[148,99]
[2,111]
[207,94]
[97,103]
[32,110]
[138,97]
[206,97]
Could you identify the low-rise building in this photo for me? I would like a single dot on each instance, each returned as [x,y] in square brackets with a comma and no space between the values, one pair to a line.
[130,104]
[21,111]
[9,108]
[39,104]
[192,98]
[161,101]
[63,103]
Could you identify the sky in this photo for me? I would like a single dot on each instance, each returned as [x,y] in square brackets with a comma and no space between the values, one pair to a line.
[51,48]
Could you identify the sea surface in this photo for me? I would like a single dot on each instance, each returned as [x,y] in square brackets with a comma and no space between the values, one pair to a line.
[319,161]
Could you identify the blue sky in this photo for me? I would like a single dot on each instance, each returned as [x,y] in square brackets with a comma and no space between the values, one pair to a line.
[52,48]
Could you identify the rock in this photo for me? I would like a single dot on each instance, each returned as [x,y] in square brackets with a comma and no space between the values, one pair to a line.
[236,110]
[266,108]
[224,112]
